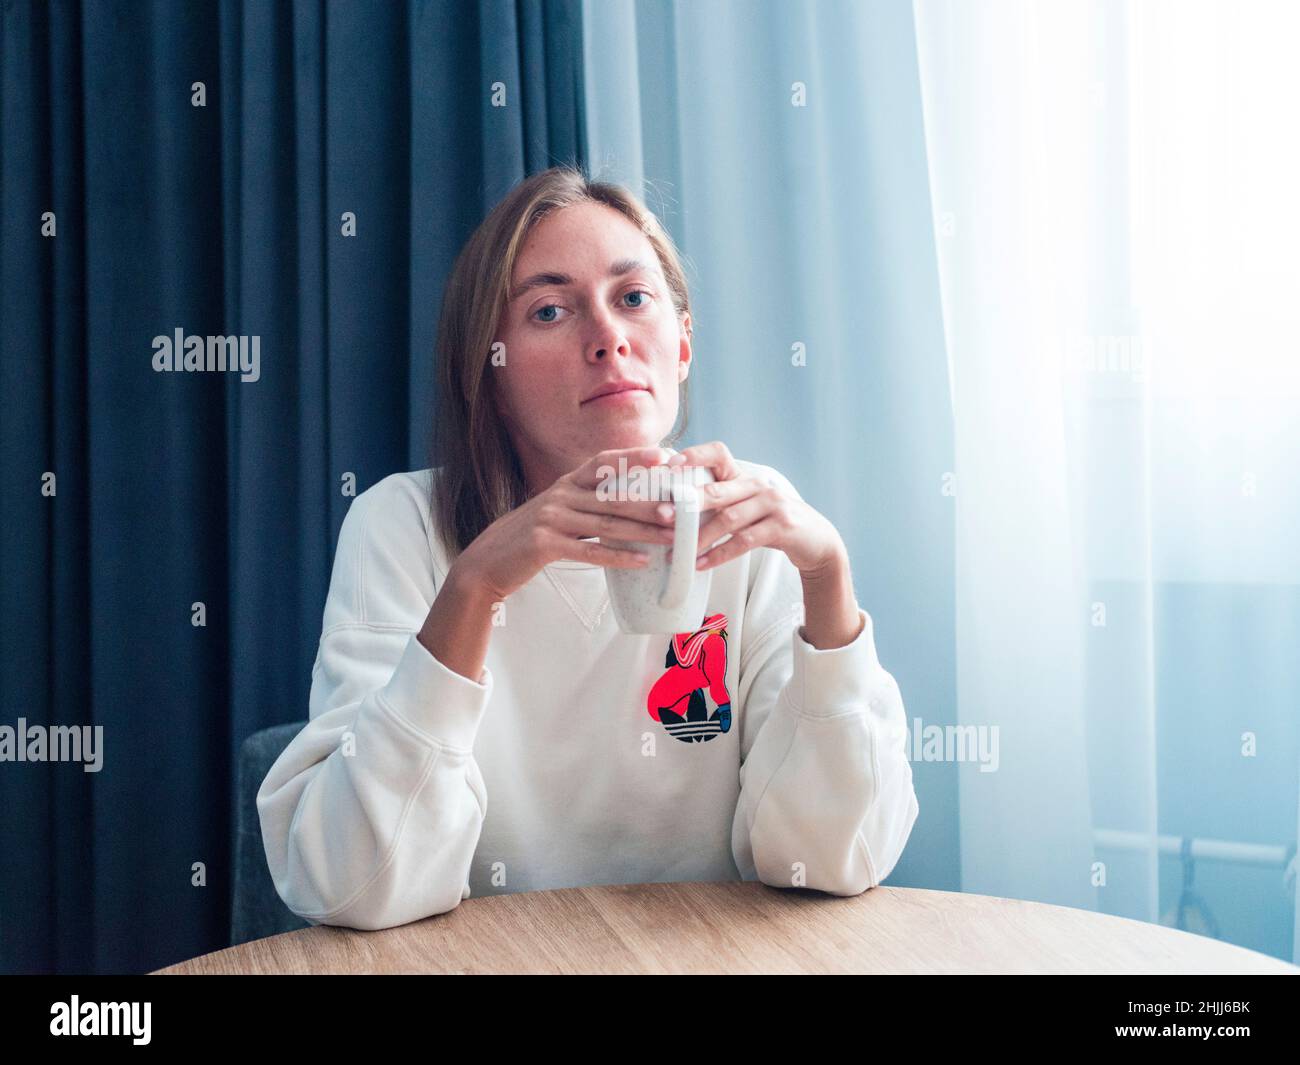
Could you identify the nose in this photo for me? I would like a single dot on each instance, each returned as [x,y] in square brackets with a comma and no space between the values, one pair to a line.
[606,336]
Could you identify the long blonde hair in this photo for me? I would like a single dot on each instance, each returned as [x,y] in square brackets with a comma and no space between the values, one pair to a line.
[481,478]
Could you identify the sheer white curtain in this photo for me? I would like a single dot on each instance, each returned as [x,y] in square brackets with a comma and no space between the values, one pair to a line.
[1114,188]
[1101,409]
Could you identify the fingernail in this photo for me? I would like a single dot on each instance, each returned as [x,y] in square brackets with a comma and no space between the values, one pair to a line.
[665,511]
[677,459]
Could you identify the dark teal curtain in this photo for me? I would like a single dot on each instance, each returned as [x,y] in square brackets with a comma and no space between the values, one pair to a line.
[180,488]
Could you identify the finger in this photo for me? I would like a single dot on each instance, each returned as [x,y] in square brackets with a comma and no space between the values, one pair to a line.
[558,546]
[716,497]
[604,555]
[607,526]
[590,501]
[715,455]
[601,468]
[729,519]
[727,522]
[758,535]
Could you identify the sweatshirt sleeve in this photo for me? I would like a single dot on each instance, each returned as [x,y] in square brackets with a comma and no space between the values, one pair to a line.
[826,798]
[370,817]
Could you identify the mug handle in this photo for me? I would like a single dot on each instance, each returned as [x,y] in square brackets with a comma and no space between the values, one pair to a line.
[686,529]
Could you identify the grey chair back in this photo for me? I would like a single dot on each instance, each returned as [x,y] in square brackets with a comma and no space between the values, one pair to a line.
[258,911]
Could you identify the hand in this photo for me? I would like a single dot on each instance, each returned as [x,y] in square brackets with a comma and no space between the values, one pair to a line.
[550,526]
[756,513]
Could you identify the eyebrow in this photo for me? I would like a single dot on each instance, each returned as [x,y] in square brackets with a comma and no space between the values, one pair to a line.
[618,269]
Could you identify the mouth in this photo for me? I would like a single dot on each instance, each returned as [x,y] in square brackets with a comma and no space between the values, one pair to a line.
[626,391]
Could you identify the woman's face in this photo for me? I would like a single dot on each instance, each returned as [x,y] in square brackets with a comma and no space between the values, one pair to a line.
[588,309]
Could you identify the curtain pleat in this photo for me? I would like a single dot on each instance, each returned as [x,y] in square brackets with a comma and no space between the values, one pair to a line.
[179,493]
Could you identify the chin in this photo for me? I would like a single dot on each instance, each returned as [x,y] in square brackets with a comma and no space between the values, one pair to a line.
[631,434]
[641,436]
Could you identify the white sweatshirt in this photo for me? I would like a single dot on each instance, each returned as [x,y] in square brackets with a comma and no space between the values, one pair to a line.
[568,763]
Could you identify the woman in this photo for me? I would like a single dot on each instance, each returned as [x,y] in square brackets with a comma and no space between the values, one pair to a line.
[478,722]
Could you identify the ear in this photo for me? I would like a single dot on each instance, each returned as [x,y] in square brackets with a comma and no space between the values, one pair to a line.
[684,354]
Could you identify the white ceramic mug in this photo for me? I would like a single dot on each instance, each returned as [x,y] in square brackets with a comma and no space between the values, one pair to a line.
[664,597]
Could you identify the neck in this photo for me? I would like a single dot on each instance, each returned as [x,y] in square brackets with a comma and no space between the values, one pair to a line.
[539,475]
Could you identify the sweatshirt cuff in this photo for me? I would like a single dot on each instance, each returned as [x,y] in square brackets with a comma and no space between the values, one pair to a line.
[830,681]
[436,700]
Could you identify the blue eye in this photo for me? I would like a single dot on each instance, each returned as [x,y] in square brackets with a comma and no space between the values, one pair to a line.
[550,319]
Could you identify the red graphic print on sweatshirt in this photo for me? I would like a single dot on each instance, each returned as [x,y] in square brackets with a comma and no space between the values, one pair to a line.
[696,661]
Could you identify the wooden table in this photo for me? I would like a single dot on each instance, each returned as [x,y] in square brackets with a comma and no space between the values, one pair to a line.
[743,928]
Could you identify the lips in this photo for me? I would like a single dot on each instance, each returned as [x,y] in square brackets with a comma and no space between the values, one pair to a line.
[614,387]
